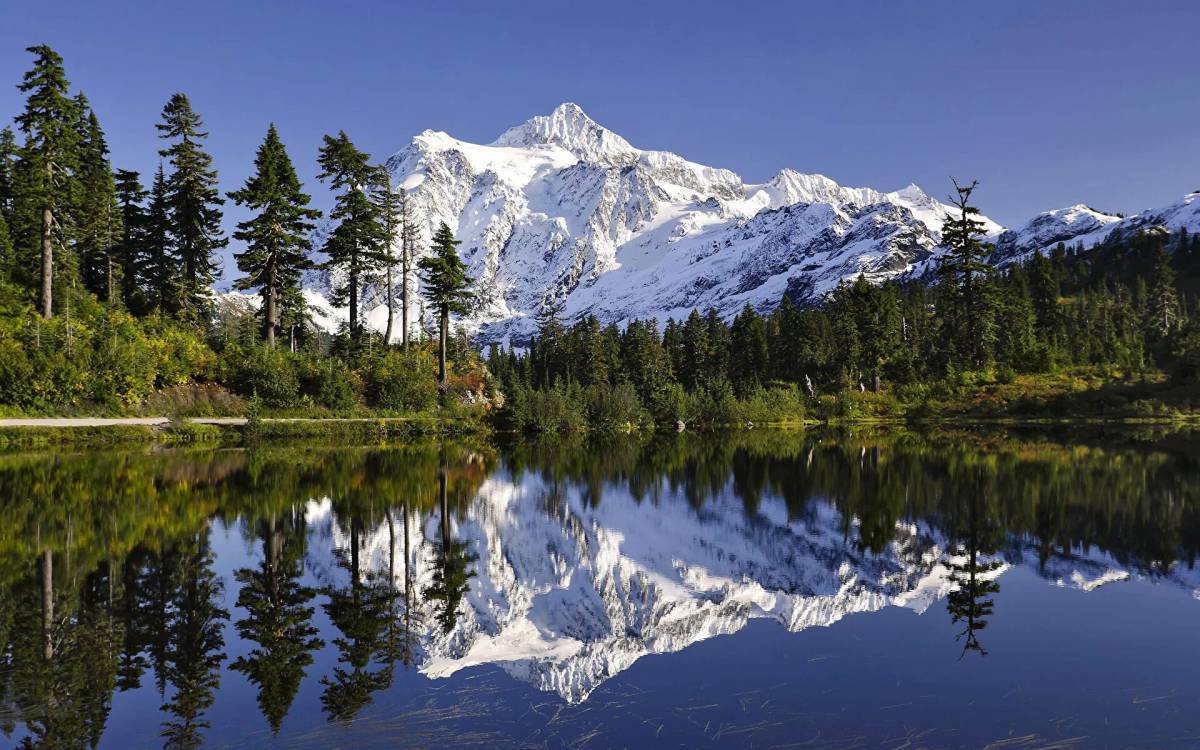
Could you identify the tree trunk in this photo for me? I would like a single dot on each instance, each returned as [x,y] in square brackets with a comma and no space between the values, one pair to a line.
[48,603]
[354,305]
[443,331]
[271,312]
[391,305]
[47,263]
[404,293]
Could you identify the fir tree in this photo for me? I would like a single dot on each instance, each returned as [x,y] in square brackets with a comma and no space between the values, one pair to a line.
[279,618]
[1164,300]
[355,247]
[749,360]
[98,222]
[965,265]
[446,287]
[8,156]
[276,236]
[410,239]
[132,249]
[391,205]
[46,184]
[193,199]
[161,269]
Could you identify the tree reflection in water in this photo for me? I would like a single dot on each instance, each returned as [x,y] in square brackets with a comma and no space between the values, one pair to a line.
[107,578]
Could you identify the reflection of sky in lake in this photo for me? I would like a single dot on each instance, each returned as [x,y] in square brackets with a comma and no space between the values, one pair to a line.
[636,615]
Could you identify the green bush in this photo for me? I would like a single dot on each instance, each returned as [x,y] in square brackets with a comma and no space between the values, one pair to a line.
[778,403]
[613,407]
[269,373]
[402,380]
[330,383]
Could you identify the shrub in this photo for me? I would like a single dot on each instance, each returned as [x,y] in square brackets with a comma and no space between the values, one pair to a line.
[402,380]
[779,403]
[612,407]
[330,383]
[269,373]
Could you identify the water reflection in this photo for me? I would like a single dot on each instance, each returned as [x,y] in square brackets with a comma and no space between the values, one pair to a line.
[563,563]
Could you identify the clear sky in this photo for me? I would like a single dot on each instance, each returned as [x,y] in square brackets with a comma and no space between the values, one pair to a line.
[1045,103]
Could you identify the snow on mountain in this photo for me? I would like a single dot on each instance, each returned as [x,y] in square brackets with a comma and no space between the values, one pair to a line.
[1082,224]
[568,593]
[561,208]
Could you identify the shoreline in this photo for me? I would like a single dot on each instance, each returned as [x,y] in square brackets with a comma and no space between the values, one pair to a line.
[33,432]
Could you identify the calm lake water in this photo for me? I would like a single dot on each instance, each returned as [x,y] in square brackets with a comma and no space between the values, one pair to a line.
[762,589]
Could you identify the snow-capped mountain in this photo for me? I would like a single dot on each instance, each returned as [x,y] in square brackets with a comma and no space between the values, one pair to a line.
[561,208]
[568,593]
[1081,224]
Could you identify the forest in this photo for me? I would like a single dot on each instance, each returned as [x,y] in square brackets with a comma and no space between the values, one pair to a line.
[106,307]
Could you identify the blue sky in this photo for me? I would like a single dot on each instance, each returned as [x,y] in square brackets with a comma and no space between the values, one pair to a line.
[1045,103]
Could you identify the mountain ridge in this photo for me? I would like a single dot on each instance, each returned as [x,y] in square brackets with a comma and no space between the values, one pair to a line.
[561,209]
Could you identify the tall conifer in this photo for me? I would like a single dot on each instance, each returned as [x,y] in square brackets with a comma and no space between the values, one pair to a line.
[276,236]
[355,247]
[45,183]
[446,287]
[193,199]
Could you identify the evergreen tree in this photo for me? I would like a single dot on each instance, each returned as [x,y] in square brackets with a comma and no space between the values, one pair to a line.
[551,342]
[45,191]
[279,618]
[8,157]
[749,360]
[193,199]
[410,240]
[446,287]
[276,236]
[161,269]
[8,163]
[392,206]
[132,249]
[356,246]
[965,266]
[98,222]
[1164,300]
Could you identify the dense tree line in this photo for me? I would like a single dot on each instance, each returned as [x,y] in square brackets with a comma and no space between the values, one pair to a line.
[105,298]
[100,275]
[1124,306]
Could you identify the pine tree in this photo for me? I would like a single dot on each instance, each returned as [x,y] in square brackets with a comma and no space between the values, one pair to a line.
[355,247]
[749,360]
[132,250]
[98,227]
[1164,300]
[551,342]
[195,219]
[161,270]
[446,287]
[410,240]
[694,372]
[8,156]
[8,160]
[391,205]
[965,265]
[276,236]
[46,184]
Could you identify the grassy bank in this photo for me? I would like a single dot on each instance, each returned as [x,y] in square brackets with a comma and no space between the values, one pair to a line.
[357,431]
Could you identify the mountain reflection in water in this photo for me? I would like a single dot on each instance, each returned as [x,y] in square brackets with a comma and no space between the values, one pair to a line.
[561,563]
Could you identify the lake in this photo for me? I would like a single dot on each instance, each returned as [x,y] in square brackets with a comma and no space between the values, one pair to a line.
[865,588]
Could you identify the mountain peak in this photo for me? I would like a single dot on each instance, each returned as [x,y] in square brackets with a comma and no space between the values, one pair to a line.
[569,127]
